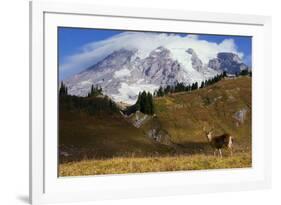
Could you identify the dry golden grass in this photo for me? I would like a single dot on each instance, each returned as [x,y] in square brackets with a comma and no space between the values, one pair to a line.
[123,165]
[183,115]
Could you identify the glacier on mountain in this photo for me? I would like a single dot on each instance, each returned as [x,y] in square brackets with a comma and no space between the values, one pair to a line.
[127,70]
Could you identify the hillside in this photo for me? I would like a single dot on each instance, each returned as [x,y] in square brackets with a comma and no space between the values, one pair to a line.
[177,127]
[224,106]
[102,134]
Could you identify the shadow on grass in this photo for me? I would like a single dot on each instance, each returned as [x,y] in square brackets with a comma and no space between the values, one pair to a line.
[194,148]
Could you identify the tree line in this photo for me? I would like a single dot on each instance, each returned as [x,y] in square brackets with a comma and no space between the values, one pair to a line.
[87,104]
[181,87]
[95,91]
[244,73]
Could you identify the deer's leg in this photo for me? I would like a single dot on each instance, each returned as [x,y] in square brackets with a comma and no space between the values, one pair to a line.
[215,152]
[220,153]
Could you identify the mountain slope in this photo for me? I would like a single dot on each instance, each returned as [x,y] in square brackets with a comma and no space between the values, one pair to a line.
[228,62]
[124,73]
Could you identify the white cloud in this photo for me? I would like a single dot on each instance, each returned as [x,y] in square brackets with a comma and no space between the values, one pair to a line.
[145,42]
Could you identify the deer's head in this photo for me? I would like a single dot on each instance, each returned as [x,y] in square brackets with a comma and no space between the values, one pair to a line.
[208,134]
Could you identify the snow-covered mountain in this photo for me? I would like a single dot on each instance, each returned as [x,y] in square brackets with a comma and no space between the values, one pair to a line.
[123,73]
[229,62]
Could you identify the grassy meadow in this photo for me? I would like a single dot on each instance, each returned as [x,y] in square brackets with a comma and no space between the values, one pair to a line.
[106,142]
[123,165]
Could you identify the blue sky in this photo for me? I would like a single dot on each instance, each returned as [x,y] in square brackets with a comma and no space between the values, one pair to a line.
[72,41]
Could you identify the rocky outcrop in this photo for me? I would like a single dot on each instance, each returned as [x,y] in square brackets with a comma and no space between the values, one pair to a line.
[159,136]
[240,116]
[228,62]
[160,69]
[196,62]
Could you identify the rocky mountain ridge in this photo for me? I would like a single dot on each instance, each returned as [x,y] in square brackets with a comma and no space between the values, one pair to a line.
[123,74]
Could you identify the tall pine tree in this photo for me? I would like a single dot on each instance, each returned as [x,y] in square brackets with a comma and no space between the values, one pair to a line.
[63,91]
[145,103]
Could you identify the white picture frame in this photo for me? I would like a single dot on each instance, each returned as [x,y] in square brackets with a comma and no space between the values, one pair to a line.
[46,187]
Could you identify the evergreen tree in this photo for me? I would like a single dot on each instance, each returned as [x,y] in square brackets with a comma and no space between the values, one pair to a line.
[244,72]
[167,90]
[63,90]
[145,103]
[160,92]
[150,102]
[196,86]
[95,91]
[250,73]
[92,90]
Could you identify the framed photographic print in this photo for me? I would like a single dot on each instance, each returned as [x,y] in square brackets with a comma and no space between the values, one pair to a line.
[129,102]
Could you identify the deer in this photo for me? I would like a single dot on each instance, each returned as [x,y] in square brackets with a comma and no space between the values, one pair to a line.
[219,142]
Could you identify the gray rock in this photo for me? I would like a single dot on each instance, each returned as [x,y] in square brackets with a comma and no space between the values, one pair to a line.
[240,115]
[196,62]
[159,136]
